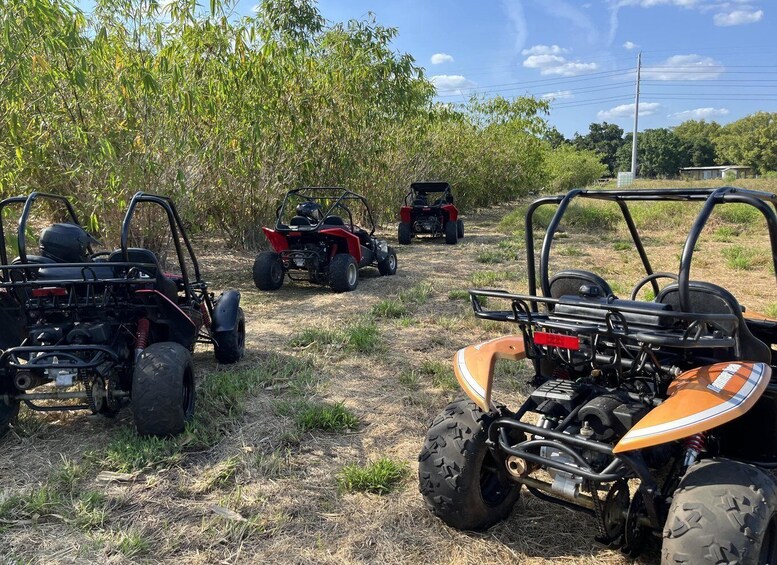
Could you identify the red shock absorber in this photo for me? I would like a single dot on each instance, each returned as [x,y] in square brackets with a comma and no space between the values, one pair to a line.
[141,339]
[694,445]
[205,315]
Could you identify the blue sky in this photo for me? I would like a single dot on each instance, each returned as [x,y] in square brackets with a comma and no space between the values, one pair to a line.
[702,59]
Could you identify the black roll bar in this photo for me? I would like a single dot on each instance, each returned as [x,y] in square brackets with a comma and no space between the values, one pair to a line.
[344,196]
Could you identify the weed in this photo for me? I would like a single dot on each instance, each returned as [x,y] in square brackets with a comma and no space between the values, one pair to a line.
[584,215]
[458,295]
[409,378]
[316,336]
[219,475]
[491,256]
[130,452]
[274,465]
[571,251]
[489,278]
[327,418]
[362,337]
[131,543]
[742,258]
[379,477]
[389,308]
[738,214]
[417,294]
[440,373]
[89,510]
[726,233]
[623,245]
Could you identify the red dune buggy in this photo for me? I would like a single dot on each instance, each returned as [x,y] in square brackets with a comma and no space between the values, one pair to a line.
[429,210]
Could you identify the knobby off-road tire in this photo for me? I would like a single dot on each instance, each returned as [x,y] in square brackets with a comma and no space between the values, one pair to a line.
[268,271]
[405,233]
[722,512]
[458,477]
[343,273]
[230,345]
[460,228]
[163,389]
[451,233]
[389,265]
[8,410]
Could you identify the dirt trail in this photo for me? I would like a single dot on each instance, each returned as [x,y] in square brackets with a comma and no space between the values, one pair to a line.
[297,513]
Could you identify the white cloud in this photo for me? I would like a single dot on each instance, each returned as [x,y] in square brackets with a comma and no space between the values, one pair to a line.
[737,17]
[630,45]
[699,114]
[452,84]
[569,11]
[544,50]
[627,111]
[558,95]
[439,58]
[684,67]
[514,10]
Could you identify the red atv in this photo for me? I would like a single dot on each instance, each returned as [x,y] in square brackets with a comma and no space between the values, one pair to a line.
[429,210]
[317,239]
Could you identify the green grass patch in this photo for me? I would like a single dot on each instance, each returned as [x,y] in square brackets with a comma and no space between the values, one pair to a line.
[489,278]
[586,216]
[410,378]
[321,416]
[623,245]
[458,295]
[666,215]
[316,336]
[571,251]
[417,295]
[738,214]
[361,336]
[131,543]
[441,374]
[129,452]
[726,233]
[491,256]
[771,310]
[743,259]
[389,308]
[379,477]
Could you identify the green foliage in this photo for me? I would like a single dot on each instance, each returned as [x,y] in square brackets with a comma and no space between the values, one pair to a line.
[698,138]
[379,477]
[360,336]
[320,416]
[130,452]
[461,294]
[567,167]
[725,233]
[491,256]
[739,214]
[589,216]
[441,374]
[389,308]
[744,258]
[660,153]
[605,140]
[750,141]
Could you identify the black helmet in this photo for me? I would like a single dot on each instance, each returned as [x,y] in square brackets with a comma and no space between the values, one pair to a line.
[311,210]
[66,243]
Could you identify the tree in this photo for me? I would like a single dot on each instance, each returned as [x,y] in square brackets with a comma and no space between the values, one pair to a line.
[750,141]
[698,138]
[660,153]
[605,139]
[555,138]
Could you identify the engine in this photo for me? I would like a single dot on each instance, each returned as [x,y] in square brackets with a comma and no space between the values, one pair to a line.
[429,224]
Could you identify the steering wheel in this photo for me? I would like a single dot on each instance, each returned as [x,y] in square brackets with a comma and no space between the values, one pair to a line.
[649,278]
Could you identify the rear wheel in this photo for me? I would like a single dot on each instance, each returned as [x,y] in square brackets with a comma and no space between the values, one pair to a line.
[451,233]
[268,271]
[8,409]
[163,389]
[343,273]
[460,228]
[230,345]
[389,265]
[405,233]
[722,512]
[459,478]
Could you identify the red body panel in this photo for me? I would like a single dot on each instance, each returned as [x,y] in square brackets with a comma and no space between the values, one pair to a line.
[354,247]
[278,241]
[404,214]
[453,213]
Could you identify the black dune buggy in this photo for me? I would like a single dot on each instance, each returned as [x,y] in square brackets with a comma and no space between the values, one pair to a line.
[429,210]
[655,418]
[81,330]
[317,238]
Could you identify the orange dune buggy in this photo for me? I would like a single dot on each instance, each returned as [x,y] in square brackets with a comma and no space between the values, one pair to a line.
[657,419]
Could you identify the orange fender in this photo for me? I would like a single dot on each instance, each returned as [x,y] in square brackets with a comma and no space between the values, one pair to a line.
[699,400]
[474,366]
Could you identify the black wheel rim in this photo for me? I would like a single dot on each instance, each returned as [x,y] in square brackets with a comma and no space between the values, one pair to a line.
[493,486]
[768,553]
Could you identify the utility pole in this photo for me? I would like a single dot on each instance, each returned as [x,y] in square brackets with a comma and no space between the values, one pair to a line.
[636,121]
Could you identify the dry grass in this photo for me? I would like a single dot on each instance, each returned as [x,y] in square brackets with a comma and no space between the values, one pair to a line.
[256,478]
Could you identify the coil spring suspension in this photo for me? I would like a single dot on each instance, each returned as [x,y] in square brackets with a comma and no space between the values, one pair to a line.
[694,445]
[141,338]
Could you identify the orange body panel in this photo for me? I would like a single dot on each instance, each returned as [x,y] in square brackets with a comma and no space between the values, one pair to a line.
[699,400]
[474,366]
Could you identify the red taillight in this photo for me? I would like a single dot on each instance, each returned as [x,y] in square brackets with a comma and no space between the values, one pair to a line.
[557,340]
[49,291]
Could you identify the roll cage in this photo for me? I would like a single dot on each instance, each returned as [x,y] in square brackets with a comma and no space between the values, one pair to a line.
[332,199]
[428,187]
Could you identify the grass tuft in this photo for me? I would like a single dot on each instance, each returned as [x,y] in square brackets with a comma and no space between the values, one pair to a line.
[441,374]
[491,256]
[327,418]
[379,477]
[389,308]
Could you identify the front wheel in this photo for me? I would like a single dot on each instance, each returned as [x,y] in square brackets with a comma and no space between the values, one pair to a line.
[460,228]
[722,512]
[230,345]
[343,273]
[268,271]
[163,389]
[461,481]
[389,265]
[405,233]
[451,233]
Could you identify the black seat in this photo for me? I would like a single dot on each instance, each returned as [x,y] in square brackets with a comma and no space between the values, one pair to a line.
[299,221]
[163,284]
[334,221]
[570,282]
[707,298]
